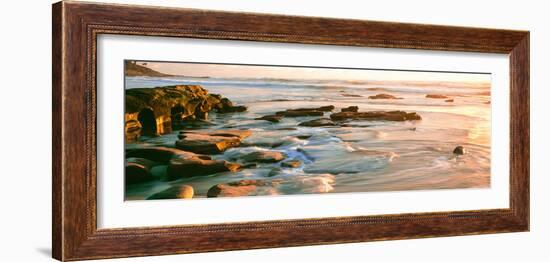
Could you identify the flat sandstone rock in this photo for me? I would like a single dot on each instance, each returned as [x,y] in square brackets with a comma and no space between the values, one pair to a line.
[318,122]
[210,142]
[264,157]
[376,115]
[198,165]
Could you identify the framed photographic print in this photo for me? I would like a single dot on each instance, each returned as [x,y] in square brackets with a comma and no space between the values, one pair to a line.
[181,130]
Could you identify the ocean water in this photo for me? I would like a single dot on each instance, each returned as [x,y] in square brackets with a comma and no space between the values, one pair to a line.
[362,157]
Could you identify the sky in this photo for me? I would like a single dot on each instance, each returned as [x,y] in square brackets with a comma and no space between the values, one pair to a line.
[281,72]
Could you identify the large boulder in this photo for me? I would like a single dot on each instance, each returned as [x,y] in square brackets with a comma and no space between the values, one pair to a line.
[175,192]
[138,170]
[190,165]
[238,188]
[183,163]
[376,115]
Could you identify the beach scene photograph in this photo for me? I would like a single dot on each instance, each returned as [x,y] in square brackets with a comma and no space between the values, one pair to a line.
[209,130]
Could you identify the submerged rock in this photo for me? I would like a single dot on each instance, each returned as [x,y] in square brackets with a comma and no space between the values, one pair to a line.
[175,192]
[271,118]
[436,96]
[138,170]
[376,115]
[300,113]
[350,109]
[351,95]
[322,108]
[459,150]
[210,142]
[384,96]
[291,163]
[264,157]
[318,123]
[275,172]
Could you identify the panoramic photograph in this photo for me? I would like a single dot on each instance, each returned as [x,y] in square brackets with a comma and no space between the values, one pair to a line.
[207,130]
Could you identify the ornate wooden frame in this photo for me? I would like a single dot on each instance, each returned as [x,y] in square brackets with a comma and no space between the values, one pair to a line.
[76,26]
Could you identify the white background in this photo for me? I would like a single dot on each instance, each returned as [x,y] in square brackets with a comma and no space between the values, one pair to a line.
[25,106]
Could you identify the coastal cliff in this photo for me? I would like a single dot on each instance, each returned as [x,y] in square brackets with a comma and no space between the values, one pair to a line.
[131,68]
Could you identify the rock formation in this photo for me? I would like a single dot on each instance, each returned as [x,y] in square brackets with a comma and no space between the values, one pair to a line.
[138,170]
[182,163]
[155,111]
[175,192]
[264,157]
[210,142]
[239,188]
